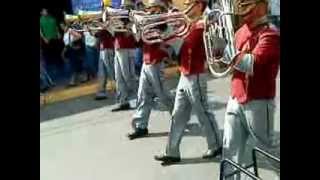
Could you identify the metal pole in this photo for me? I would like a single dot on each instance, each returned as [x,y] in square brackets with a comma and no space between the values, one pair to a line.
[255,165]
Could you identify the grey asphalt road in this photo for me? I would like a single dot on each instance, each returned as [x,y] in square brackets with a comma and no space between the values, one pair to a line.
[81,139]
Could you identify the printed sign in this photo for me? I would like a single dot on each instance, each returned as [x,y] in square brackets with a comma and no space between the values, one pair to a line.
[86,5]
[116,3]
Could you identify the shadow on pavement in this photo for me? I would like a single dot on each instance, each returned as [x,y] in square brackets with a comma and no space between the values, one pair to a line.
[82,104]
[73,106]
[192,129]
[193,160]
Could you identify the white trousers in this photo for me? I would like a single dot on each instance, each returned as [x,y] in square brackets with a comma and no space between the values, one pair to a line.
[124,74]
[192,94]
[150,85]
[254,119]
[106,68]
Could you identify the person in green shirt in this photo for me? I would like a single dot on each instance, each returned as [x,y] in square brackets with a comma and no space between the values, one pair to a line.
[48,27]
[52,44]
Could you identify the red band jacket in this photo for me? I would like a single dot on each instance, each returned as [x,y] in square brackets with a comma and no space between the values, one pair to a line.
[260,51]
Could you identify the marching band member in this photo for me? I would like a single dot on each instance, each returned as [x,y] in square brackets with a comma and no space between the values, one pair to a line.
[151,80]
[124,64]
[192,90]
[251,106]
[106,58]
[106,62]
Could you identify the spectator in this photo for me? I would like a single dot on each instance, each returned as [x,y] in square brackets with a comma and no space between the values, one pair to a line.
[50,36]
[49,29]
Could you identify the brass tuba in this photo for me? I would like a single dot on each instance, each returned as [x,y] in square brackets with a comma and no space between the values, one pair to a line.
[218,39]
[91,19]
[149,26]
[115,19]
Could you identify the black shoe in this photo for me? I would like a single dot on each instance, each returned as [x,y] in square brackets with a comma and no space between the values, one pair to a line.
[212,154]
[122,108]
[138,133]
[167,159]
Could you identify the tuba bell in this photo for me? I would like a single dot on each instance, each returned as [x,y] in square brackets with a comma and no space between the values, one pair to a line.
[90,19]
[149,26]
[218,38]
[116,19]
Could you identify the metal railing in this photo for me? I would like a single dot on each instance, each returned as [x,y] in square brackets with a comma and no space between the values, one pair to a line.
[241,169]
[265,154]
